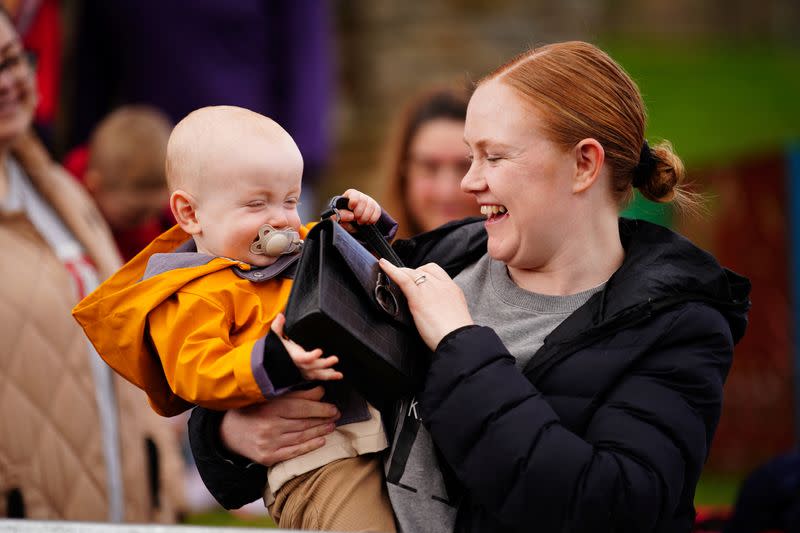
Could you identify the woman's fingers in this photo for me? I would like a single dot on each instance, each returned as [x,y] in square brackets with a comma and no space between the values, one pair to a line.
[290,452]
[313,394]
[299,409]
[435,301]
[280,428]
[299,437]
[403,277]
[294,430]
[432,269]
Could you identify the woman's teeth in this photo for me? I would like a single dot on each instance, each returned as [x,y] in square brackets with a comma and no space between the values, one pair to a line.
[492,210]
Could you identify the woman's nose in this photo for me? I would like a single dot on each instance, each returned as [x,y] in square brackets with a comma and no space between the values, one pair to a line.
[472,181]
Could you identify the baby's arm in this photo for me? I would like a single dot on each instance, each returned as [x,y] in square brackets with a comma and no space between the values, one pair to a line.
[312,366]
[203,365]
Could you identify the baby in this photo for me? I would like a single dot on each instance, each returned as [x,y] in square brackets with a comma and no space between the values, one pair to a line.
[195,319]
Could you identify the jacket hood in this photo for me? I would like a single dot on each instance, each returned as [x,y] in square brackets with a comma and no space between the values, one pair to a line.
[662,268]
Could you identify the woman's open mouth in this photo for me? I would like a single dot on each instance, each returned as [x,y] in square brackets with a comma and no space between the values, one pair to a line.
[494,213]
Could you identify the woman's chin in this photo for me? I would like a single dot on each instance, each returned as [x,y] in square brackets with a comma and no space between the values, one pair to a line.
[12,128]
[499,250]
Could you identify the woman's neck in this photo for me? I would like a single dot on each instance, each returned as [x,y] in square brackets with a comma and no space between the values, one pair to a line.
[588,260]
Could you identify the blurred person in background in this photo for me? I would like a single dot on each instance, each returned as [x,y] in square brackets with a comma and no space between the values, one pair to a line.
[274,58]
[77,442]
[39,24]
[425,161]
[769,498]
[578,357]
[123,170]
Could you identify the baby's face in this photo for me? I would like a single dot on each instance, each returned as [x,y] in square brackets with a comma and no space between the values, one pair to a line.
[247,191]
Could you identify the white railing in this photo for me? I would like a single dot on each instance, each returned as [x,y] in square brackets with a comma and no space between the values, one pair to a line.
[55,526]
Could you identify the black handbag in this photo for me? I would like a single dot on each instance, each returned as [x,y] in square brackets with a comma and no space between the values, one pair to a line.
[341,301]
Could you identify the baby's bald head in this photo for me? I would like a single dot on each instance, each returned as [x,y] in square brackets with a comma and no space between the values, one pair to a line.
[208,142]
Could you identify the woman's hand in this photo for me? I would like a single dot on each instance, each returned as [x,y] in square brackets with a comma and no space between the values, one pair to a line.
[280,429]
[435,301]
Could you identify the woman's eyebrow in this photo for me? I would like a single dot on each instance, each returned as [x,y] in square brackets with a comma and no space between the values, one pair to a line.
[483,143]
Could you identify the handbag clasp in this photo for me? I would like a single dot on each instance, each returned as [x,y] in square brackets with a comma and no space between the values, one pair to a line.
[384,296]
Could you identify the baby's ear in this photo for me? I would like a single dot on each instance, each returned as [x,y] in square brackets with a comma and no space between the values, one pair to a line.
[184,209]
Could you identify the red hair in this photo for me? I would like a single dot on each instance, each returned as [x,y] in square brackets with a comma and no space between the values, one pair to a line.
[582,93]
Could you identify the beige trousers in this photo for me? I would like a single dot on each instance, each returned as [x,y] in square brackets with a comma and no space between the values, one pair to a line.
[346,495]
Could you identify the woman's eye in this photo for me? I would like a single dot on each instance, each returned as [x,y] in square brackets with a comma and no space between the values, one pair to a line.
[493,158]
[256,203]
[292,202]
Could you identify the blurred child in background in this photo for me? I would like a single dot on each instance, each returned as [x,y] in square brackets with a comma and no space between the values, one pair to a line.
[123,170]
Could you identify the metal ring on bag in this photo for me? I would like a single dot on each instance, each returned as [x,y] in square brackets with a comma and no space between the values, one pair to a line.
[385,298]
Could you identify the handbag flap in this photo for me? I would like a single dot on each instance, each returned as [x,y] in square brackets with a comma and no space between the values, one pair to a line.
[369,275]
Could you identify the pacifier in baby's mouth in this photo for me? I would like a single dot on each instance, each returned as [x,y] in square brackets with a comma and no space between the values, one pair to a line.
[276,242]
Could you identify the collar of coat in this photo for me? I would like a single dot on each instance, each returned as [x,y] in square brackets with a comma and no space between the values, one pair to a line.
[661,269]
[187,256]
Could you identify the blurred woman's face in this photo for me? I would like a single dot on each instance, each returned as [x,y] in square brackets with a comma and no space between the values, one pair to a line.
[522,180]
[436,162]
[17,86]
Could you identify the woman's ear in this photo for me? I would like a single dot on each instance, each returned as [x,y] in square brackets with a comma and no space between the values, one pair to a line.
[589,158]
[184,209]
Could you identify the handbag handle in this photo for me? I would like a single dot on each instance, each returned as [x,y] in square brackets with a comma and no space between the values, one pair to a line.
[369,233]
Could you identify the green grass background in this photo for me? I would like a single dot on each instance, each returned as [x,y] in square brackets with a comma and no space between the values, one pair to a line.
[716,101]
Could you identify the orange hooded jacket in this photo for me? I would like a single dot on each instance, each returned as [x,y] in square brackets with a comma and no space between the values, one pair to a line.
[207,318]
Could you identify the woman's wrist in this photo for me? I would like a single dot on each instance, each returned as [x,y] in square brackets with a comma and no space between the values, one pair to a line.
[452,334]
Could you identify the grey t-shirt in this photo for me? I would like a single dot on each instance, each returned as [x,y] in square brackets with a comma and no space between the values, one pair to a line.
[522,319]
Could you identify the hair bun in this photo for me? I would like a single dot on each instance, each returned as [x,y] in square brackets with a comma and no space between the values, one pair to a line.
[659,172]
[644,169]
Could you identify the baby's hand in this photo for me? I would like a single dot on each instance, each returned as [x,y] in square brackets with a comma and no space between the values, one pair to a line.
[362,208]
[312,366]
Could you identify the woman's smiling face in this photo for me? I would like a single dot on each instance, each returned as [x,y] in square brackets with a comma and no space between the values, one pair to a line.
[17,86]
[521,179]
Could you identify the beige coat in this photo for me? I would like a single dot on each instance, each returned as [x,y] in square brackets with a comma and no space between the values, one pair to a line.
[51,456]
